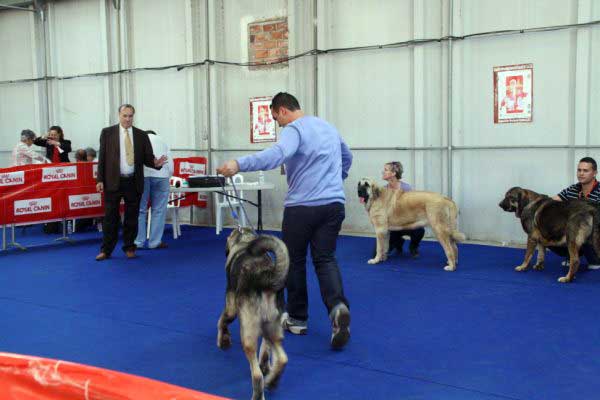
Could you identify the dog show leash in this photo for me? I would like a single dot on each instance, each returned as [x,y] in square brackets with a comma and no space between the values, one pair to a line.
[234,214]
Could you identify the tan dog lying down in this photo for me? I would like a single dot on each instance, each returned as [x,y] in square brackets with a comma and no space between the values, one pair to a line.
[395,210]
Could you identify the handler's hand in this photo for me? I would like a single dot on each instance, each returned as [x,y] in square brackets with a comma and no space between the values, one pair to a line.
[100,187]
[159,162]
[229,168]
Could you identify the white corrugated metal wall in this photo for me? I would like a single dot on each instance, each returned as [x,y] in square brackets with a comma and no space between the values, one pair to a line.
[417,104]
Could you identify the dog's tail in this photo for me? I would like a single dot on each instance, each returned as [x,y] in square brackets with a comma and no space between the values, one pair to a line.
[452,223]
[458,236]
[276,274]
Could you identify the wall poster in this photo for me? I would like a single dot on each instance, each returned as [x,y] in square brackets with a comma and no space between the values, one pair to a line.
[262,124]
[513,93]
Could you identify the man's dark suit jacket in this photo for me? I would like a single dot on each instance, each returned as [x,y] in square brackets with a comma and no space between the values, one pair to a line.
[65,145]
[109,166]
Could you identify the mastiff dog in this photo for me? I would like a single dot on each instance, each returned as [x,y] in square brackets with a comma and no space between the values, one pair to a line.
[394,210]
[548,222]
[256,269]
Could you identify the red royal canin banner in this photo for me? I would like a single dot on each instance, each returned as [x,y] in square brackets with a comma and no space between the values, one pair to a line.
[43,192]
[186,167]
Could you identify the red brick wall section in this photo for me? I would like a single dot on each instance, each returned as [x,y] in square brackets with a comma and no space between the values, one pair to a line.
[268,43]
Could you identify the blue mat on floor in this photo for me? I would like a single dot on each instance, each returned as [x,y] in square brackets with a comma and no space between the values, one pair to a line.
[418,332]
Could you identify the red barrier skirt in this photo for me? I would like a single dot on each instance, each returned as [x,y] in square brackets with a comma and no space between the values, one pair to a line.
[82,202]
[31,206]
[34,378]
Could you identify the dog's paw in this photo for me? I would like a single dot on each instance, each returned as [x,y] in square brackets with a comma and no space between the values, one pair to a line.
[521,268]
[224,341]
[538,267]
[272,381]
[564,279]
[450,268]
[374,260]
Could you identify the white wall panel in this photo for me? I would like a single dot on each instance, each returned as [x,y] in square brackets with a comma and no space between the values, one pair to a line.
[158,32]
[17,112]
[80,47]
[349,23]
[162,102]
[491,15]
[368,96]
[17,45]
[80,108]
[593,132]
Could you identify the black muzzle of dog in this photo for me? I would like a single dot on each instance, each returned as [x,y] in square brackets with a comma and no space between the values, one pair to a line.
[506,205]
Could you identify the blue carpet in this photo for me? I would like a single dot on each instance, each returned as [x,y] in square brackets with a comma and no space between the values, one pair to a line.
[418,332]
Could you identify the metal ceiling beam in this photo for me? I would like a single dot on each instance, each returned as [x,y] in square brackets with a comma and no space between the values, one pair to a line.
[16,4]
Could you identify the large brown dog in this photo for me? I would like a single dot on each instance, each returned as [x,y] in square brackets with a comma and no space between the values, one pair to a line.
[394,210]
[253,280]
[549,222]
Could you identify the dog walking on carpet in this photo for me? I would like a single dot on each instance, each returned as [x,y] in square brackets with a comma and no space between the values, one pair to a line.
[253,280]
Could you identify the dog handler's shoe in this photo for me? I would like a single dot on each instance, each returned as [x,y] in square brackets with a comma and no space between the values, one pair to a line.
[565,263]
[292,325]
[593,266]
[340,326]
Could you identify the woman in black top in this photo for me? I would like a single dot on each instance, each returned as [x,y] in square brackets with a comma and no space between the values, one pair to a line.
[57,148]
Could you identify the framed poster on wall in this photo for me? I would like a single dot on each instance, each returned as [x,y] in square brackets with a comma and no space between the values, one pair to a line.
[513,93]
[262,124]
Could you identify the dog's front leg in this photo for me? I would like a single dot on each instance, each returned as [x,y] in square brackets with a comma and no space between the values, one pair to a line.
[227,317]
[531,245]
[383,242]
[541,255]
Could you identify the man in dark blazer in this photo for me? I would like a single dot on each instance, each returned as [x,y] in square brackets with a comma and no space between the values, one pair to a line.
[124,150]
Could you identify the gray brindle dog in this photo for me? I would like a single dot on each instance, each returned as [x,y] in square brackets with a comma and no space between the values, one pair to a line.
[253,280]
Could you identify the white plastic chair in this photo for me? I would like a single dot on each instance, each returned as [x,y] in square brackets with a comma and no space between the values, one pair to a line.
[221,203]
[172,208]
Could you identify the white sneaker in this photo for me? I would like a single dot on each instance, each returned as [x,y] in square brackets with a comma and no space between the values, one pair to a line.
[292,325]
[565,263]
[593,266]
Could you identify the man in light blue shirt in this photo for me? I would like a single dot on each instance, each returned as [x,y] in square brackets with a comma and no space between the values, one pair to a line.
[317,161]
[157,191]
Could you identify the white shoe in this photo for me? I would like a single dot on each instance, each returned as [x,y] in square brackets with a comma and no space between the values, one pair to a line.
[593,266]
[293,325]
[565,263]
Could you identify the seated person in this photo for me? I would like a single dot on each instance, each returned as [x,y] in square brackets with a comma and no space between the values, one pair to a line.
[57,147]
[23,154]
[91,154]
[392,173]
[80,155]
[586,189]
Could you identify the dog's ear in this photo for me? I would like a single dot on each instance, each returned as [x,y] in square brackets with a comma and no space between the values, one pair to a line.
[375,191]
[522,201]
